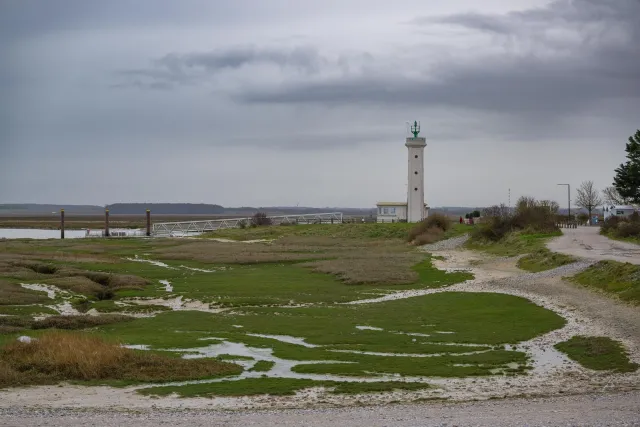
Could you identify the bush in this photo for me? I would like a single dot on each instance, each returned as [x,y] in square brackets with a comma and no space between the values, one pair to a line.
[260,219]
[436,220]
[530,216]
[432,235]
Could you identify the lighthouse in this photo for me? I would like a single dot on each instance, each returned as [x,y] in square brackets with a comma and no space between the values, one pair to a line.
[416,207]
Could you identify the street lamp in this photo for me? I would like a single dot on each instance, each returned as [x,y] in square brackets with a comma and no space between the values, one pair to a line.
[568,199]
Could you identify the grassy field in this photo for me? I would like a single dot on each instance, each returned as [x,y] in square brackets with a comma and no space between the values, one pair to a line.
[615,278]
[597,353]
[287,302]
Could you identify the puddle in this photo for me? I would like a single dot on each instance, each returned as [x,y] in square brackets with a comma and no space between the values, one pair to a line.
[282,368]
[50,290]
[376,353]
[150,261]
[444,332]
[136,346]
[368,328]
[286,338]
[177,304]
[221,240]
[167,285]
[202,270]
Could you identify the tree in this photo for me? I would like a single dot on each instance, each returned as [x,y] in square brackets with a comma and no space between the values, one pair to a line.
[588,197]
[612,197]
[627,179]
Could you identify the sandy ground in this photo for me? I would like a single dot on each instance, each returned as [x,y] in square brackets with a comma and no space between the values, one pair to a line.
[586,242]
[587,312]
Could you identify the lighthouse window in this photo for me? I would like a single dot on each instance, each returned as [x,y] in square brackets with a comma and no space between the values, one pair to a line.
[415,189]
[416,156]
[416,172]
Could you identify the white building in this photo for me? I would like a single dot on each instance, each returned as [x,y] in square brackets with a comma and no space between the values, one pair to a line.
[394,211]
[415,209]
[620,210]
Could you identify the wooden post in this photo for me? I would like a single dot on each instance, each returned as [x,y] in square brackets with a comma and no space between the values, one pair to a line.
[106,223]
[62,223]
[148,222]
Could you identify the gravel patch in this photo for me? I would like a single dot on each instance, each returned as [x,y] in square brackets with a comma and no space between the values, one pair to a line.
[446,245]
[619,409]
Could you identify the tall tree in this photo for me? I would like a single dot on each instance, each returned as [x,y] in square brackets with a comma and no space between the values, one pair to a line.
[627,179]
[588,197]
[612,197]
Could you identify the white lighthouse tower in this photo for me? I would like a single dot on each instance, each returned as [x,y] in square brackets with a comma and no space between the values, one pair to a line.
[416,207]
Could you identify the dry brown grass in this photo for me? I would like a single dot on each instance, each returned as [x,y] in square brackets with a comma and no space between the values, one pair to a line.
[428,229]
[13,294]
[89,283]
[79,322]
[387,261]
[63,356]
[432,235]
[392,269]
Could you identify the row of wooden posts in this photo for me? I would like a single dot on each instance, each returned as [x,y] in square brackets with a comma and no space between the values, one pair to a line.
[106,223]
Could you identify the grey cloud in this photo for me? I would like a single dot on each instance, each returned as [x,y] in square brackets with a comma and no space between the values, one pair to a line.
[191,68]
[603,63]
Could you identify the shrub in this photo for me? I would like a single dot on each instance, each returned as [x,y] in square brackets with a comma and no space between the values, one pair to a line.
[628,229]
[260,219]
[610,224]
[436,220]
[432,235]
[530,216]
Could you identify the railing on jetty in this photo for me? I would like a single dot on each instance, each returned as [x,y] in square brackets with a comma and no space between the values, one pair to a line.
[182,228]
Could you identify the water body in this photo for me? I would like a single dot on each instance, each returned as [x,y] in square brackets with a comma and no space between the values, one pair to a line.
[35,233]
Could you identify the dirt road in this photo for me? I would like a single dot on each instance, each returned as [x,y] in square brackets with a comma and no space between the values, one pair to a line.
[586,242]
[619,409]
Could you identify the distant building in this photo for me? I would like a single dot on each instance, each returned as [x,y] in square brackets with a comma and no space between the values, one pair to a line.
[618,210]
[394,211]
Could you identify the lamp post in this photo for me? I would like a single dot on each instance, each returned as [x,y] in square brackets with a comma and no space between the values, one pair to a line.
[568,199]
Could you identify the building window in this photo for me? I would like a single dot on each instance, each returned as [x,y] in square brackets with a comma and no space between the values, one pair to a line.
[392,211]
[619,212]
[385,211]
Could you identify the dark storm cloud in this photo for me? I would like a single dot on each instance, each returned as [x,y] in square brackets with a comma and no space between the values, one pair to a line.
[175,68]
[552,60]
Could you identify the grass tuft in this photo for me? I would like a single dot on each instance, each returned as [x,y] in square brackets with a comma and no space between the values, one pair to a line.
[612,277]
[543,259]
[597,353]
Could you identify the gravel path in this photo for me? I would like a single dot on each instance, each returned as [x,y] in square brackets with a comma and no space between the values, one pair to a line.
[620,409]
[586,242]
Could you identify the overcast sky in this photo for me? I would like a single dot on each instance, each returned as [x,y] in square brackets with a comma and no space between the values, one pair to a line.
[285,102]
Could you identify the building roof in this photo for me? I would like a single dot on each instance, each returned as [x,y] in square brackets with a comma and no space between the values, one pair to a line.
[391,204]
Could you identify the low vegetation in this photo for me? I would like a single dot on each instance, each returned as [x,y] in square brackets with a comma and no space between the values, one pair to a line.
[63,356]
[523,231]
[622,228]
[543,259]
[619,279]
[18,323]
[597,353]
[278,387]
